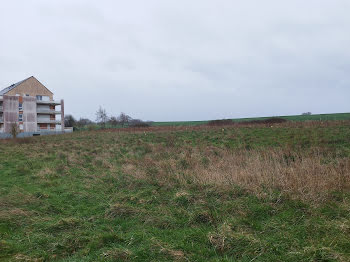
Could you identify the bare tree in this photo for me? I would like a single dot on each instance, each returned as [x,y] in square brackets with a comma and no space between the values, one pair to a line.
[83,122]
[113,121]
[124,119]
[69,121]
[14,130]
[101,117]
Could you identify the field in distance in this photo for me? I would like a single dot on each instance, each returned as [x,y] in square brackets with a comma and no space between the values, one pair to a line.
[318,117]
[201,193]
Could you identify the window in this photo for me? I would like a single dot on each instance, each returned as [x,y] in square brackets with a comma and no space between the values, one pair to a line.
[39,98]
[27,95]
[20,117]
[20,106]
[21,126]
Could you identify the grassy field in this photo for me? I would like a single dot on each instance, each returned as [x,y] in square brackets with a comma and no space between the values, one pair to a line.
[321,117]
[249,193]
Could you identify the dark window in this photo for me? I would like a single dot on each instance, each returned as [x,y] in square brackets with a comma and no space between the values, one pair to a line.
[20,106]
[20,117]
[39,98]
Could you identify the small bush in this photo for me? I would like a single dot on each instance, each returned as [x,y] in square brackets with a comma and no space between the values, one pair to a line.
[272,120]
[227,122]
[138,123]
[222,122]
[93,127]
[268,121]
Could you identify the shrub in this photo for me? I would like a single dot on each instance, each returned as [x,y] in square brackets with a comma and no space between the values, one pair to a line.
[222,122]
[93,127]
[138,123]
[227,122]
[272,120]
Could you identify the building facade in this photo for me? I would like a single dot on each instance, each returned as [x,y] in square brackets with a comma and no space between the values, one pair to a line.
[30,106]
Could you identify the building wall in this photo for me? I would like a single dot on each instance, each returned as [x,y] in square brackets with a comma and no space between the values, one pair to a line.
[2,118]
[31,87]
[62,115]
[30,134]
[10,104]
[29,114]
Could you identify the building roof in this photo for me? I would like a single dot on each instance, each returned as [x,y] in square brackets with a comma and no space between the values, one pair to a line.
[9,88]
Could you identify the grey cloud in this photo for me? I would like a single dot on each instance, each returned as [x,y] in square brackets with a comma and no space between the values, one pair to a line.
[182,60]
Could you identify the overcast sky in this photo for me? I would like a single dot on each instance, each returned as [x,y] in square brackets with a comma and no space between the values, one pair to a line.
[169,60]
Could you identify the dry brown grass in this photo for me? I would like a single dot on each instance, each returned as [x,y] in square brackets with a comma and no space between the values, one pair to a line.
[120,210]
[24,258]
[13,213]
[311,175]
[176,255]
[228,238]
[118,254]
[15,198]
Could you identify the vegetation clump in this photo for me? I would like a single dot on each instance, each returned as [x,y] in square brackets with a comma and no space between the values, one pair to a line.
[228,122]
[222,122]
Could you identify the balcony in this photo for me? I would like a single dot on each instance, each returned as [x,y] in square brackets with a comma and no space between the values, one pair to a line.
[48,121]
[47,111]
[42,102]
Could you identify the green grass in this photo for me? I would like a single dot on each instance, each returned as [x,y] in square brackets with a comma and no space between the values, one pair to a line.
[68,198]
[319,117]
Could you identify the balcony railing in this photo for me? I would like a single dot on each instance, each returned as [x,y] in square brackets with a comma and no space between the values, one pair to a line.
[48,121]
[47,111]
[39,111]
[53,102]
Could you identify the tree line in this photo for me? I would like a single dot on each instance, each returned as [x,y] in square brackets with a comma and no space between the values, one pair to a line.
[103,120]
